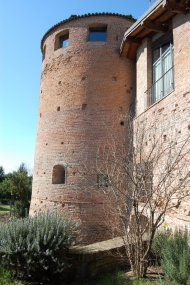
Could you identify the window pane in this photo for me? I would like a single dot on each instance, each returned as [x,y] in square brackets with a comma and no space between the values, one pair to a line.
[64,40]
[165,46]
[162,72]
[97,34]
[156,54]
[65,43]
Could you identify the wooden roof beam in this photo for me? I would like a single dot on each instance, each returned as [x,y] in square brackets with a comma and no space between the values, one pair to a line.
[154,27]
[177,8]
[133,40]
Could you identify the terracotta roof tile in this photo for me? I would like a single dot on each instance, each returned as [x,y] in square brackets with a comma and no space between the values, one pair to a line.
[74,17]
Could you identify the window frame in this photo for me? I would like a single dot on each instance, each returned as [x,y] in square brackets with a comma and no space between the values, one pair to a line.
[58,39]
[160,83]
[93,33]
[162,69]
[44,53]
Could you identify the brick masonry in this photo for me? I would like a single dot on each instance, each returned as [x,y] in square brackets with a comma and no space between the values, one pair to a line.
[174,108]
[84,89]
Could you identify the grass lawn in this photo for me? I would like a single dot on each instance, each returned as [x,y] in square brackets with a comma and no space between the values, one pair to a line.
[4,209]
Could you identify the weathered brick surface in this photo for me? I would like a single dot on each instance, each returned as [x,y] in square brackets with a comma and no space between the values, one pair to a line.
[174,108]
[84,88]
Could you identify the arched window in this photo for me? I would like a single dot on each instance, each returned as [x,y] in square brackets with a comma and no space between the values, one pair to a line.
[62,39]
[58,175]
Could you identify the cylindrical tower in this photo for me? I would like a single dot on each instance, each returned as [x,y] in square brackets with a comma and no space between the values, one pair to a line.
[85,85]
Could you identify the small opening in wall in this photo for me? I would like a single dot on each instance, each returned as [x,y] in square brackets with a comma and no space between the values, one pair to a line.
[83,78]
[84,106]
[44,173]
[97,34]
[41,91]
[58,175]
[62,142]
[116,38]
[102,180]
[58,108]
[164,138]
[122,123]
[114,79]
[188,127]
[46,143]
[40,115]
[44,53]
[59,82]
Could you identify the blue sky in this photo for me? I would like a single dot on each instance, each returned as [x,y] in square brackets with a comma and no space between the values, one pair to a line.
[22,25]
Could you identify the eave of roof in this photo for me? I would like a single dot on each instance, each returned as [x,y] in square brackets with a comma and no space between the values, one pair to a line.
[154,20]
[74,17]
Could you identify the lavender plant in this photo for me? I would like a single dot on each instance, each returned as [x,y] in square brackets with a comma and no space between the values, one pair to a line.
[37,246]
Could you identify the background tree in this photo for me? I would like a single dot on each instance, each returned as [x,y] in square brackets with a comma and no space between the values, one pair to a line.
[2,174]
[4,195]
[18,186]
[141,179]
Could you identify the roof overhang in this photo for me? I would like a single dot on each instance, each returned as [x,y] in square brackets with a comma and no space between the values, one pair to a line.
[156,19]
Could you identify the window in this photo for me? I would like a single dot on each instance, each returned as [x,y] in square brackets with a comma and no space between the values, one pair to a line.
[58,175]
[44,53]
[163,80]
[102,180]
[97,34]
[64,40]
[162,72]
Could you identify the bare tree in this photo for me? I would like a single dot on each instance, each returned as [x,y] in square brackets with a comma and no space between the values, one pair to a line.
[142,179]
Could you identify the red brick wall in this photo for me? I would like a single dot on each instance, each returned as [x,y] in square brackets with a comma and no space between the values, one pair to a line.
[143,73]
[174,108]
[90,73]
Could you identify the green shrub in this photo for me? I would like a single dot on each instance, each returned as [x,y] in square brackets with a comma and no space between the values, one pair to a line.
[4,201]
[6,279]
[117,278]
[37,247]
[21,208]
[175,256]
[160,243]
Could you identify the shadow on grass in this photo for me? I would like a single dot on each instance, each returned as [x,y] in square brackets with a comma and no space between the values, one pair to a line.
[4,209]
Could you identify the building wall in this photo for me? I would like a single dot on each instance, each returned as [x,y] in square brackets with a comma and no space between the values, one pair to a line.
[174,108]
[84,89]
[143,73]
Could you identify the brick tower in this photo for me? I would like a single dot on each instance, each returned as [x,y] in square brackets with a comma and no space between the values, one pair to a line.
[84,86]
